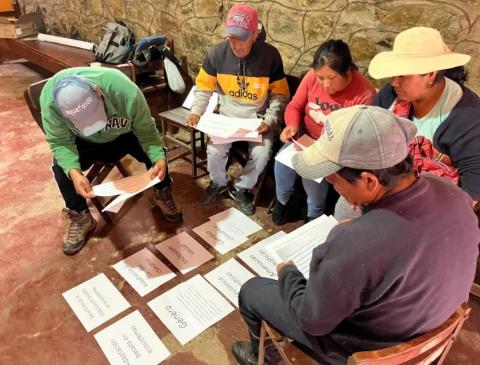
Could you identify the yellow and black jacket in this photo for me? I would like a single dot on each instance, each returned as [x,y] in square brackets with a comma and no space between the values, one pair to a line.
[249,87]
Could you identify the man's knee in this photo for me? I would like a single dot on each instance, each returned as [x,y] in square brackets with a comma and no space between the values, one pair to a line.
[250,290]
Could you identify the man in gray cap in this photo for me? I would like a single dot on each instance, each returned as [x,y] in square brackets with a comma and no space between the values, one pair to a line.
[381,278]
[98,114]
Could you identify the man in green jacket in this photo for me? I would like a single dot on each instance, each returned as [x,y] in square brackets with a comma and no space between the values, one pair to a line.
[98,114]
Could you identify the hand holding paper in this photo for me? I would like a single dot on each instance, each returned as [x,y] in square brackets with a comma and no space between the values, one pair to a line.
[159,170]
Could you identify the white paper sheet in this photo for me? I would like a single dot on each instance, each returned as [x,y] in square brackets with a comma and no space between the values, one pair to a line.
[95,301]
[131,341]
[242,222]
[66,41]
[228,278]
[285,156]
[190,308]
[129,184]
[144,271]
[218,125]
[259,258]
[218,140]
[299,244]
[184,252]
[222,236]
[212,103]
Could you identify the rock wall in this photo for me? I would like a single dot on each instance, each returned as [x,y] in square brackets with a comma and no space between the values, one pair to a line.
[295,27]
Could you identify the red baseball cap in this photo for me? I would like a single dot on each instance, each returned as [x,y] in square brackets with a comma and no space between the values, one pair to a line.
[242,20]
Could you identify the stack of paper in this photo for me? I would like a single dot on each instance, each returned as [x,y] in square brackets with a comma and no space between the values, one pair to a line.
[285,155]
[259,258]
[227,230]
[125,188]
[299,244]
[223,129]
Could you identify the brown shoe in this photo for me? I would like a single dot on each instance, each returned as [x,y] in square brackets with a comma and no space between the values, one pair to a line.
[163,198]
[80,225]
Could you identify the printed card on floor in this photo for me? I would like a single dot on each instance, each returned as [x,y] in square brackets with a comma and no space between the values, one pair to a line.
[236,218]
[222,236]
[190,308]
[131,341]
[259,258]
[228,278]
[95,301]
[144,271]
[184,252]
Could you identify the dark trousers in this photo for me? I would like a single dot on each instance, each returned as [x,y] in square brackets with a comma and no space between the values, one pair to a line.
[259,299]
[110,152]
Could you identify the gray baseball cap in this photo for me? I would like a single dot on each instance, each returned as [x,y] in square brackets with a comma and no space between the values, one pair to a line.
[360,137]
[78,101]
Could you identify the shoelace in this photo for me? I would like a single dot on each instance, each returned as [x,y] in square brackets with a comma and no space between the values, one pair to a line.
[74,230]
[167,202]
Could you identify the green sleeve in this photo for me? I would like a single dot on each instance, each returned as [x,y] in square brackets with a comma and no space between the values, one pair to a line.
[59,137]
[144,128]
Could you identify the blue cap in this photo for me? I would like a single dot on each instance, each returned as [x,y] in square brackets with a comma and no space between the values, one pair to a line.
[78,101]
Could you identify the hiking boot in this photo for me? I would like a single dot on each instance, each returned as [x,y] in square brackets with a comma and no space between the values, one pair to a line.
[243,199]
[279,213]
[163,199]
[242,350]
[212,193]
[79,226]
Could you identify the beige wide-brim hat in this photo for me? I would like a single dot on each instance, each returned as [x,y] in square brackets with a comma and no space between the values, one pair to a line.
[416,51]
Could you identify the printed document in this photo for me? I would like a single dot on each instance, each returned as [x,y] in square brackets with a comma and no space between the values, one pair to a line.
[190,308]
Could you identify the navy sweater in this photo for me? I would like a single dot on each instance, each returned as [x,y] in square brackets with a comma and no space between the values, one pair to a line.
[457,137]
[395,272]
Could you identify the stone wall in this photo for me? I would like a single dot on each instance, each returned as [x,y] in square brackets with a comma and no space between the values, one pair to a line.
[295,27]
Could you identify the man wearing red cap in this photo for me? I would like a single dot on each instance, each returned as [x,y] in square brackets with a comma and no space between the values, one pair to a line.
[248,73]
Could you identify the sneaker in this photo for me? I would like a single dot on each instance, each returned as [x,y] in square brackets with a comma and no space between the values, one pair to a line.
[279,213]
[163,199]
[243,199]
[79,226]
[243,353]
[212,193]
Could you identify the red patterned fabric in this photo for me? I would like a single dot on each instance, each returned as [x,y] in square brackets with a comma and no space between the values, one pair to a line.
[426,158]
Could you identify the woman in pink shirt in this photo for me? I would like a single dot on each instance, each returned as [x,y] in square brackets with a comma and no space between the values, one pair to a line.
[334,82]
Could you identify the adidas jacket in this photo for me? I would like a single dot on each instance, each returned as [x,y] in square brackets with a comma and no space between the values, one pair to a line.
[247,87]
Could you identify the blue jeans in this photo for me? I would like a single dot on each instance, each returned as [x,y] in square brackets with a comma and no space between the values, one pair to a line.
[285,178]
[217,156]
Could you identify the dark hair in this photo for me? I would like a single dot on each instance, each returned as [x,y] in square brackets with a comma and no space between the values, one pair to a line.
[388,177]
[458,74]
[335,54]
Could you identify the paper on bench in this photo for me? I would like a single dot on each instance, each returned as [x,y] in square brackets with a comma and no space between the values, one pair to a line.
[66,41]
[299,244]
[212,103]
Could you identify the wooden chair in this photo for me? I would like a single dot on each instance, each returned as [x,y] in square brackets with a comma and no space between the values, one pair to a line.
[98,171]
[421,350]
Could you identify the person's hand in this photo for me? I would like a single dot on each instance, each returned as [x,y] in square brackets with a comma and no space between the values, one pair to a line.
[159,169]
[81,184]
[282,265]
[193,119]
[263,128]
[287,133]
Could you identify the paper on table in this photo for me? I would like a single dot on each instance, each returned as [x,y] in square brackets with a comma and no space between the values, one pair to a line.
[233,216]
[190,308]
[212,103]
[95,301]
[299,244]
[66,41]
[144,271]
[228,278]
[258,257]
[184,252]
[222,236]
[131,341]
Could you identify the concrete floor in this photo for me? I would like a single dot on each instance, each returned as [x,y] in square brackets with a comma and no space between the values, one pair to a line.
[38,327]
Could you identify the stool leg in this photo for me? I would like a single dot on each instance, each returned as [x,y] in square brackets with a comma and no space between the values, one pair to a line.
[193,148]
[121,168]
[261,345]
[164,133]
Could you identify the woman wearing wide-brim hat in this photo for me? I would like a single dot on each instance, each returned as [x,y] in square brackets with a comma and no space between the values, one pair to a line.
[427,86]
